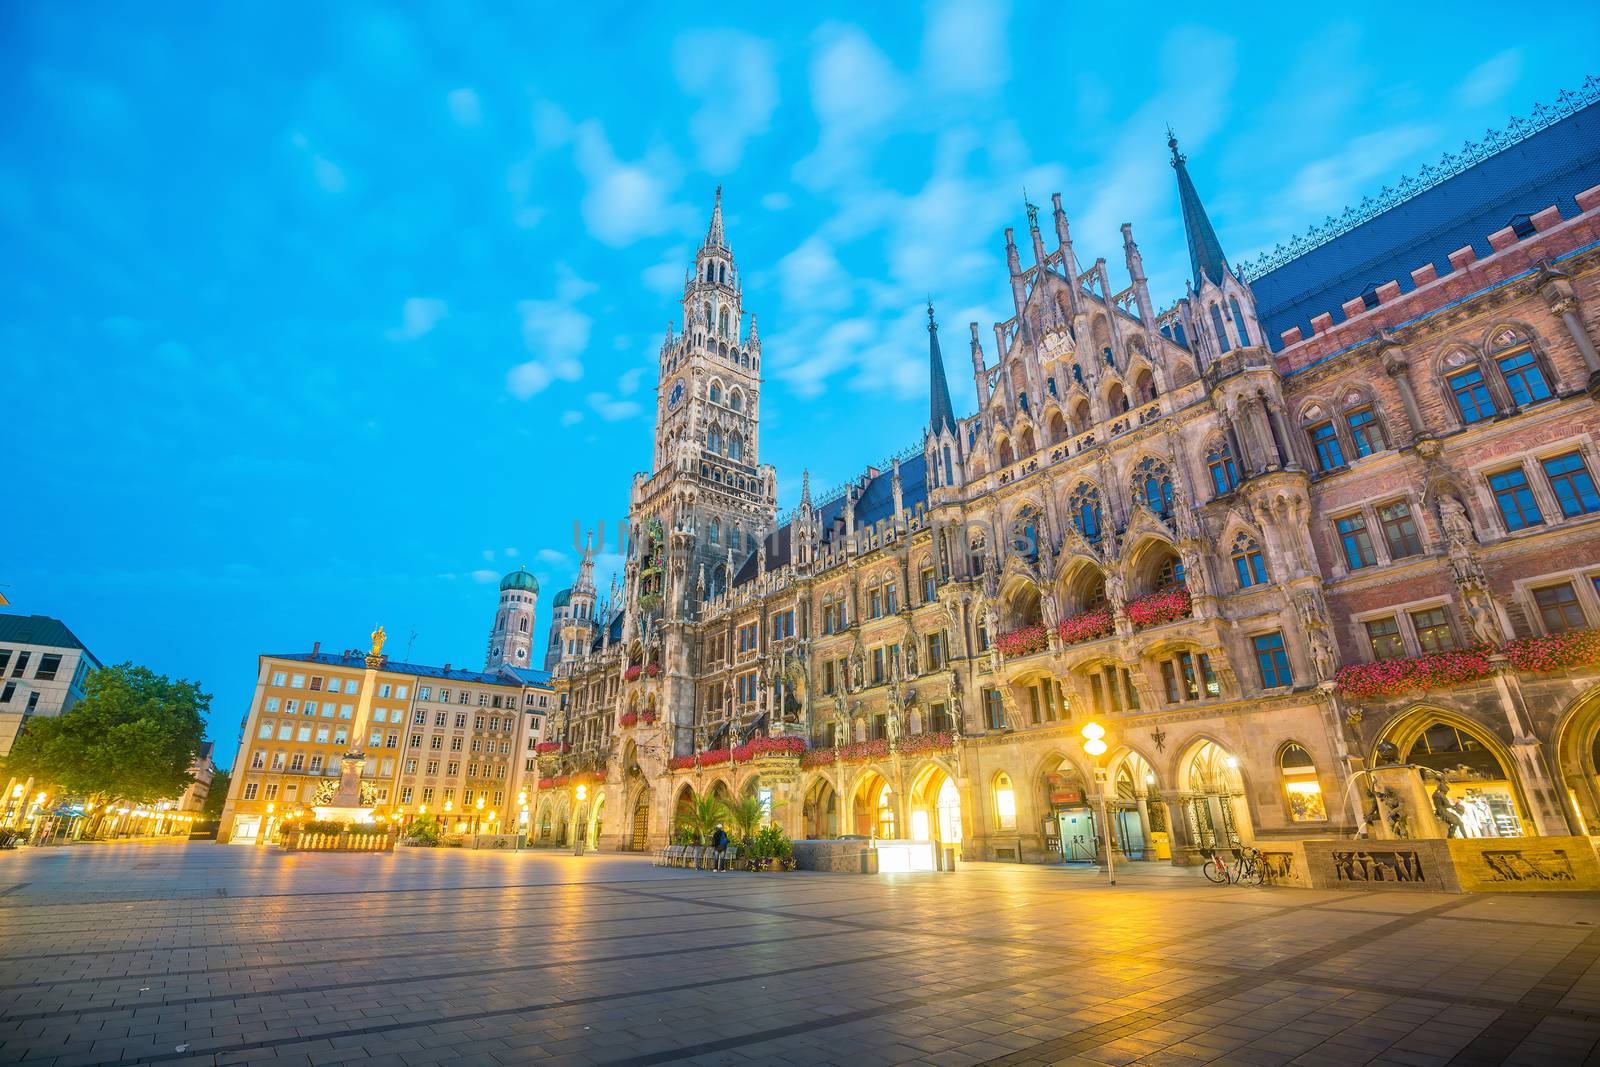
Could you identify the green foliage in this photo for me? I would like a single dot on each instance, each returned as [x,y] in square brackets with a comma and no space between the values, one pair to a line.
[425,831]
[217,796]
[770,843]
[316,826]
[744,817]
[682,835]
[132,738]
[700,820]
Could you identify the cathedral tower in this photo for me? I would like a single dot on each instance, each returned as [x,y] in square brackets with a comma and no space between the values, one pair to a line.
[1222,310]
[511,640]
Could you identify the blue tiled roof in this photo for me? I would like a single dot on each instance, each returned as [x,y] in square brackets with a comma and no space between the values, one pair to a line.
[1549,167]
[875,503]
[358,661]
[40,630]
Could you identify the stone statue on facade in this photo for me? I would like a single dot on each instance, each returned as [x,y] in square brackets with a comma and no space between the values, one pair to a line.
[1455,521]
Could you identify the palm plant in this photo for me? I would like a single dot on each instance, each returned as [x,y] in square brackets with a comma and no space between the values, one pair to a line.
[701,818]
[745,815]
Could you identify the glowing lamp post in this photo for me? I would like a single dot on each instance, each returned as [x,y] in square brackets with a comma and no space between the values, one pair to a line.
[582,794]
[1094,743]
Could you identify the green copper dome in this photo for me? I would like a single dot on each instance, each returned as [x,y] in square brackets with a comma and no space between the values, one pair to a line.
[519,579]
[562,599]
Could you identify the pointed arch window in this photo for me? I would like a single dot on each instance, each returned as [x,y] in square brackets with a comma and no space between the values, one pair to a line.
[1084,505]
[709,269]
[722,273]
[1238,322]
[1219,329]
[707,320]
[1248,564]
[1152,483]
[716,532]
[714,443]
[736,447]
[1220,465]
[722,323]
[1025,533]
[1300,785]
[716,393]
[736,400]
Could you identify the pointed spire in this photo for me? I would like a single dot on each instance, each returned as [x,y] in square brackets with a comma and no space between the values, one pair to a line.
[755,335]
[941,414]
[805,488]
[714,234]
[1205,251]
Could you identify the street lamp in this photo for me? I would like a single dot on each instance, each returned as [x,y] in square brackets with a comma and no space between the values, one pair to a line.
[1094,743]
[582,793]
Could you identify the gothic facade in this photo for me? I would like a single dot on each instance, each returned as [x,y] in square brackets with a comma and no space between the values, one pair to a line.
[1252,559]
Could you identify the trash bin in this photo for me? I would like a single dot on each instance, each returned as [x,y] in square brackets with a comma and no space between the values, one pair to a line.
[949,858]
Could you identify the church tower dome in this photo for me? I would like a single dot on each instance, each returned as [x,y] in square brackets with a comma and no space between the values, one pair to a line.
[511,639]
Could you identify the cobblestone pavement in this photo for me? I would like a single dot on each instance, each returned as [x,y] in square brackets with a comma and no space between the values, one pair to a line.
[204,953]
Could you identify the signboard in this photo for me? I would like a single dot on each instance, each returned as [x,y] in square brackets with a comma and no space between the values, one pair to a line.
[1066,790]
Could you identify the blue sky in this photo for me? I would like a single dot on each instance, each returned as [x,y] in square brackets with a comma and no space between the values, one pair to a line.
[319,316]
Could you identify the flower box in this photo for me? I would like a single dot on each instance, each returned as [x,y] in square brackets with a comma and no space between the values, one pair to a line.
[648,715]
[632,673]
[920,744]
[1023,642]
[768,747]
[681,763]
[1396,677]
[546,747]
[1085,626]
[560,781]
[715,757]
[653,670]
[629,718]
[1556,652]
[1157,608]
[818,757]
[864,751]
[547,783]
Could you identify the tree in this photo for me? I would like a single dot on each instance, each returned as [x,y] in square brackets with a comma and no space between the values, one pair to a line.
[745,814]
[702,817]
[216,795]
[131,739]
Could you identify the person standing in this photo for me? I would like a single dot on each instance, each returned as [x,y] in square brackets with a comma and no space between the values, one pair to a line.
[719,845]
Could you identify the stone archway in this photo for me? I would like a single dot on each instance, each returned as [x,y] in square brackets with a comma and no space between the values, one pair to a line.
[1481,771]
[636,836]
[1213,797]
[935,807]
[1577,755]
[874,809]
[821,810]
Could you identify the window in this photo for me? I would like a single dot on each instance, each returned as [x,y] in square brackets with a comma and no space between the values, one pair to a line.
[1472,395]
[297,762]
[891,598]
[424,693]
[994,710]
[1514,498]
[1248,563]
[1005,803]
[877,666]
[258,760]
[49,664]
[1224,473]
[1433,630]
[1300,785]
[930,591]
[279,678]
[1355,542]
[1399,530]
[875,604]
[1325,443]
[935,651]
[1572,484]
[1365,433]
[1272,660]
[22,664]
[1558,608]
[297,682]
[1384,636]
[1525,379]
[250,790]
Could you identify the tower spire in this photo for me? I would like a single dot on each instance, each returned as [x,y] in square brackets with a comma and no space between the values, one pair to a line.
[940,413]
[1205,251]
[714,238]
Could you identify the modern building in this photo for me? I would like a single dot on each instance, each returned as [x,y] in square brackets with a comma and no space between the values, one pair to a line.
[1254,558]
[43,667]
[453,743]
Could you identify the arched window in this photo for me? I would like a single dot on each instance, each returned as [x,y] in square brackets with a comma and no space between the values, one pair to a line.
[1025,533]
[1007,456]
[1005,802]
[722,326]
[1116,400]
[522,624]
[736,400]
[1238,322]
[1220,330]
[1152,483]
[975,551]
[1219,464]
[1084,505]
[1300,785]
[709,272]
[708,319]
[714,443]
[1169,575]
[885,820]
[716,393]
[1081,418]
[722,349]
[1144,387]
[1248,564]
[716,532]
[722,273]
[736,447]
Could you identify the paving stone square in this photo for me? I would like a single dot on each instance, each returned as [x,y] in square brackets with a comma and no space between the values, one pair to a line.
[213,954]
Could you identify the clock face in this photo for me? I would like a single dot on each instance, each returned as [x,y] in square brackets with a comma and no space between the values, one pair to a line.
[676,395]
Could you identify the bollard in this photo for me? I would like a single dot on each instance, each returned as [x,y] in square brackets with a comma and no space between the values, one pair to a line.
[949,859]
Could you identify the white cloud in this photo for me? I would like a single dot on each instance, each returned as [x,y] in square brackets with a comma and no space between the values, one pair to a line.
[484,576]
[569,287]
[666,277]
[1489,81]
[628,381]
[464,107]
[571,418]
[855,91]
[324,171]
[964,46]
[511,553]
[808,362]
[1326,185]
[625,201]
[418,316]
[776,201]
[525,213]
[733,77]
[611,409]
[556,333]
[488,555]
[552,557]
[812,277]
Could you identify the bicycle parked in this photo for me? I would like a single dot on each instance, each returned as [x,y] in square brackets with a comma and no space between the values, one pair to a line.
[1249,867]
